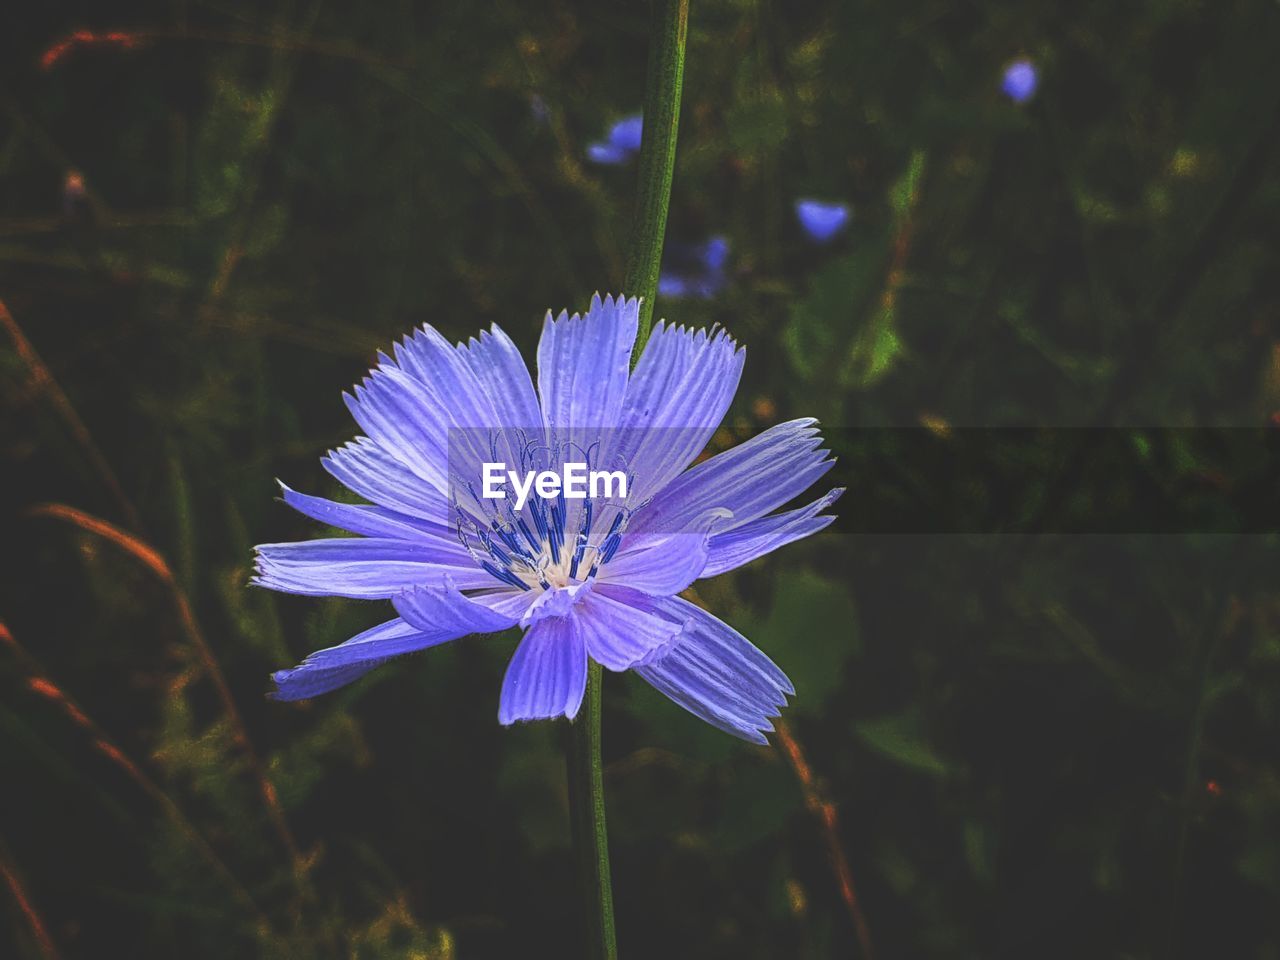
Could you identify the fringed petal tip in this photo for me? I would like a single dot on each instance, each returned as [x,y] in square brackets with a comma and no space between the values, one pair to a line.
[718,675]
[279,678]
[611,305]
[814,511]
[717,336]
[600,304]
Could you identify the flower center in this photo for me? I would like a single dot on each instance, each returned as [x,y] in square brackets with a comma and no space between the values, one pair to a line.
[533,548]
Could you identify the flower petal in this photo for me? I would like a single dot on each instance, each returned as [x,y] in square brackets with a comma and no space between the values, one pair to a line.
[583,366]
[364,467]
[556,602]
[672,285]
[505,601]
[460,401]
[627,132]
[400,414]
[365,520]
[369,568]
[547,675]
[619,634]
[302,683]
[716,673]
[334,667]
[679,393]
[607,153]
[822,221]
[727,551]
[445,609]
[498,365]
[659,566]
[750,480]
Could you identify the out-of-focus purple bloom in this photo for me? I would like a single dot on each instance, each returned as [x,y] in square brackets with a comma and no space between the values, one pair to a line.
[1020,80]
[694,270]
[822,221]
[538,108]
[622,143]
[585,579]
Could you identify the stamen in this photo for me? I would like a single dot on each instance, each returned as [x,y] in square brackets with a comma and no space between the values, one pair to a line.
[610,548]
[504,575]
[557,530]
[612,540]
[584,533]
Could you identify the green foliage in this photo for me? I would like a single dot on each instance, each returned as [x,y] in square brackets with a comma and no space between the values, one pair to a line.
[812,627]
[902,738]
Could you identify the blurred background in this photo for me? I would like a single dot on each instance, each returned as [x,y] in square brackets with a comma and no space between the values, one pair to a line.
[1037,660]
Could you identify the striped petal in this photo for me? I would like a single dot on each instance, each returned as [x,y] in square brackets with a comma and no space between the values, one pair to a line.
[368,569]
[497,365]
[728,551]
[444,609]
[400,414]
[335,667]
[658,566]
[617,632]
[750,479]
[547,675]
[679,393]
[364,467]
[583,366]
[716,673]
[365,520]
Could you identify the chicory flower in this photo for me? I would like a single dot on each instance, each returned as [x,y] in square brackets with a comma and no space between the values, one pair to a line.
[595,577]
[622,143]
[694,270]
[1020,80]
[822,221]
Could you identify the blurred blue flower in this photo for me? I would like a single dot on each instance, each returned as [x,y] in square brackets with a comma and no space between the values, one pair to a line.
[694,270]
[597,578]
[622,143]
[1020,80]
[538,108]
[822,221]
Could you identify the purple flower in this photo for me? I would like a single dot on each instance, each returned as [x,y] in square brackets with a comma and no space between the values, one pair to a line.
[583,578]
[694,270]
[622,143]
[1020,80]
[538,108]
[822,221]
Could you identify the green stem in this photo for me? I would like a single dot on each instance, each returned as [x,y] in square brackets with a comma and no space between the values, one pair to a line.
[663,84]
[586,812]
[668,31]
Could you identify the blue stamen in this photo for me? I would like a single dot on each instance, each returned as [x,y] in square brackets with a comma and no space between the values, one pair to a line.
[539,520]
[504,575]
[509,538]
[611,547]
[584,536]
[556,531]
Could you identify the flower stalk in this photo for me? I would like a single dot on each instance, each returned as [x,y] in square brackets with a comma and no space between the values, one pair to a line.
[586,811]
[664,82]
[663,85]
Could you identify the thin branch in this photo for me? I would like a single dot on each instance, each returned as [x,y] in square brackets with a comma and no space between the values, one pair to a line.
[44,381]
[150,557]
[825,811]
[9,873]
[132,39]
[40,683]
